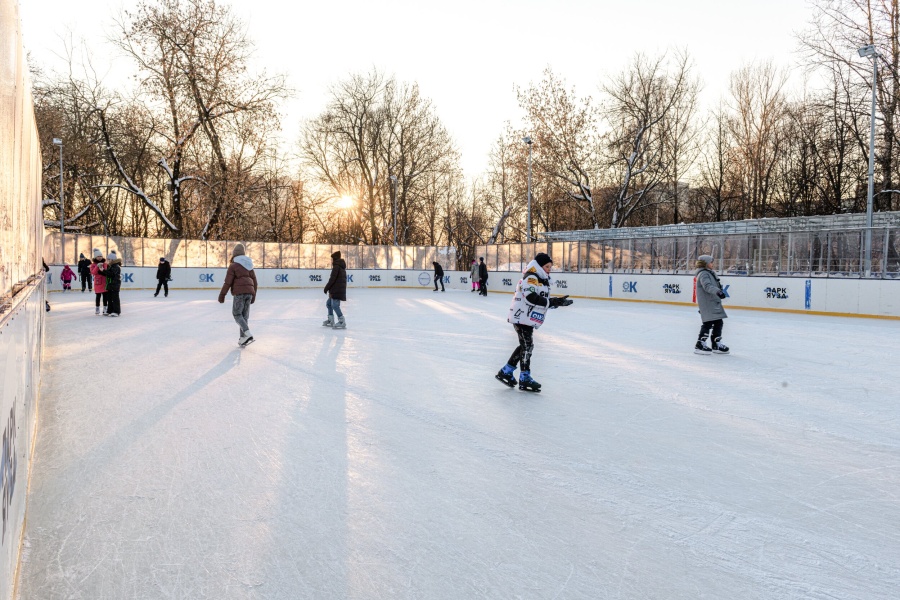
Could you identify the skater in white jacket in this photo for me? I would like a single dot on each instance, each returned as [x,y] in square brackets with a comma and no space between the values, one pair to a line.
[527,313]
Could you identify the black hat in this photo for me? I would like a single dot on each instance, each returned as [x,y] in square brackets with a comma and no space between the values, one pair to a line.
[336,255]
[481,258]
[542,258]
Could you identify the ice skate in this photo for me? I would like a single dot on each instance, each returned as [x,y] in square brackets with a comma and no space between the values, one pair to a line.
[329,322]
[719,348]
[246,341]
[528,384]
[97,311]
[340,323]
[701,348]
[506,377]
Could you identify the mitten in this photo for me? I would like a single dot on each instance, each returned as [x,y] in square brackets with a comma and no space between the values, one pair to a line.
[721,294]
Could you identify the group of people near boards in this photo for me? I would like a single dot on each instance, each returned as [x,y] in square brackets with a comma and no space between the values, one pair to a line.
[101,275]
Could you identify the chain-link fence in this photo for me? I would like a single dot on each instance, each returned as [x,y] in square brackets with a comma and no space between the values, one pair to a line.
[146,252]
[823,253]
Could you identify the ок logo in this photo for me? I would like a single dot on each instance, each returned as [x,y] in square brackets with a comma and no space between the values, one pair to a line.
[561,283]
[206,278]
[282,278]
[315,278]
[127,277]
[507,281]
[672,288]
[424,278]
[349,278]
[446,279]
[399,277]
[777,293]
[374,277]
[629,287]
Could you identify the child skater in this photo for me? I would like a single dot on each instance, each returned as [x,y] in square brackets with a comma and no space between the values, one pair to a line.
[529,307]
[99,281]
[67,276]
[241,281]
[709,299]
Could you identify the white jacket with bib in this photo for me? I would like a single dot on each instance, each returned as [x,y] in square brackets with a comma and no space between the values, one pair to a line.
[532,297]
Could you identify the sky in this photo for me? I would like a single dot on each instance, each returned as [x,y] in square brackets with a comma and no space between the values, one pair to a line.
[467,56]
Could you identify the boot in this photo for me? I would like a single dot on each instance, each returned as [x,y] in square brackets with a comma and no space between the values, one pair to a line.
[340,323]
[527,383]
[329,322]
[97,311]
[701,348]
[718,347]
[506,375]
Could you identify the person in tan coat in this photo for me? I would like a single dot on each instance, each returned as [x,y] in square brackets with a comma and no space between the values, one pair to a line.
[241,280]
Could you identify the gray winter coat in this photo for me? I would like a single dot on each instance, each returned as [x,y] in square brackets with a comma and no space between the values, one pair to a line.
[710,304]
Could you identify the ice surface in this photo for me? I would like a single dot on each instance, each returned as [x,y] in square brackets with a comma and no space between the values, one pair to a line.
[385,461]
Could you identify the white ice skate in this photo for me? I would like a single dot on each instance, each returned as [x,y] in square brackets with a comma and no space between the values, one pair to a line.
[329,322]
[340,323]
[246,339]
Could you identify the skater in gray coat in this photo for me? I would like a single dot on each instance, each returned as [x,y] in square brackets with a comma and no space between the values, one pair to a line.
[709,299]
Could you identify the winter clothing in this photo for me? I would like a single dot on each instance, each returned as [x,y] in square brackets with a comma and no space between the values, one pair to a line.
[438,276]
[99,278]
[482,277]
[709,290]
[705,259]
[240,310]
[66,277]
[532,297]
[473,275]
[334,306]
[113,274]
[238,250]
[240,278]
[84,270]
[163,272]
[97,254]
[337,282]
[542,259]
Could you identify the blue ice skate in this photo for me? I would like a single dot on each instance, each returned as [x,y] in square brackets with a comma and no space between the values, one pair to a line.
[507,376]
[528,384]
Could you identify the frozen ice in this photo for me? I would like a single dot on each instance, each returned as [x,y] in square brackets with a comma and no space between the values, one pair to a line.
[385,461]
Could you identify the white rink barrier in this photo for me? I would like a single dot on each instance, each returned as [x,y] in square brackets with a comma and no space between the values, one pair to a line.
[855,297]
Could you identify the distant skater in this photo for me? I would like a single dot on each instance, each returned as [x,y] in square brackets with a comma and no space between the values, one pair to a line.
[241,281]
[438,276]
[113,273]
[473,274]
[99,281]
[67,276]
[709,300]
[527,313]
[163,272]
[336,288]
[482,276]
[84,272]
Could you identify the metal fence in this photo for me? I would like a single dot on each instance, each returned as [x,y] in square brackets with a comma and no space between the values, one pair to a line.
[146,252]
[821,253]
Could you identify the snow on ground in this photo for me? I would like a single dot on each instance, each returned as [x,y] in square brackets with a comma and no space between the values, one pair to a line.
[385,461]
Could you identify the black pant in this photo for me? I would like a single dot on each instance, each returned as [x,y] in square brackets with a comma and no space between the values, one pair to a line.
[163,283]
[482,284]
[115,308]
[711,326]
[86,282]
[522,354]
[436,279]
[97,298]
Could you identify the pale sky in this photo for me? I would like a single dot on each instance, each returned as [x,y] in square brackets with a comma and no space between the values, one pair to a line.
[467,56]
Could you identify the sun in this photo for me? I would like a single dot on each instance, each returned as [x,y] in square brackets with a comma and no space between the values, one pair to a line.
[344,202]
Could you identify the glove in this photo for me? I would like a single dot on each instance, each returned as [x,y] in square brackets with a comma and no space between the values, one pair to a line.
[325,291]
[721,294]
[221,300]
[561,301]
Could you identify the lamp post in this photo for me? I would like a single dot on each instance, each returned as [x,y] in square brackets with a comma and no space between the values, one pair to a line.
[528,141]
[393,179]
[870,52]
[62,204]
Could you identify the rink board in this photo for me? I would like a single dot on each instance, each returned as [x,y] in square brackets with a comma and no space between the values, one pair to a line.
[876,298]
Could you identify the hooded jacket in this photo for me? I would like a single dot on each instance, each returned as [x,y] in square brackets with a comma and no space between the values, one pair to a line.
[67,274]
[113,273]
[473,272]
[708,301]
[164,270]
[438,270]
[336,287]
[532,297]
[84,266]
[240,278]
[99,278]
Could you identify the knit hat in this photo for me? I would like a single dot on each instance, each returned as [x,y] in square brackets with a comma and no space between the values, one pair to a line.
[336,255]
[162,259]
[97,253]
[112,256]
[238,250]
[542,258]
[705,258]
[481,258]
[81,255]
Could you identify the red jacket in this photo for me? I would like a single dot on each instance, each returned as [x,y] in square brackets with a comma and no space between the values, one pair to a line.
[99,280]
[67,274]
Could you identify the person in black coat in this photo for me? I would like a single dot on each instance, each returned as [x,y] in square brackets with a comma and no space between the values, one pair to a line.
[113,273]
[84,272]
[336,288]
[438,276]
[482,276]
[163,273]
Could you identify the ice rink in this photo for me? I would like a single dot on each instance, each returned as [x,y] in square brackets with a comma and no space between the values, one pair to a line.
[385,461]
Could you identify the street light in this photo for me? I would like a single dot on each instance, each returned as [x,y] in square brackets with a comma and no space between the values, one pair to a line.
[62,206]
[527,140]
[393,179]
[870,52]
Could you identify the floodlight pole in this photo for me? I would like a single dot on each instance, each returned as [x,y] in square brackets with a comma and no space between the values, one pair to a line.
[393,179]
[528,141]
[869,51]
[62,204]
